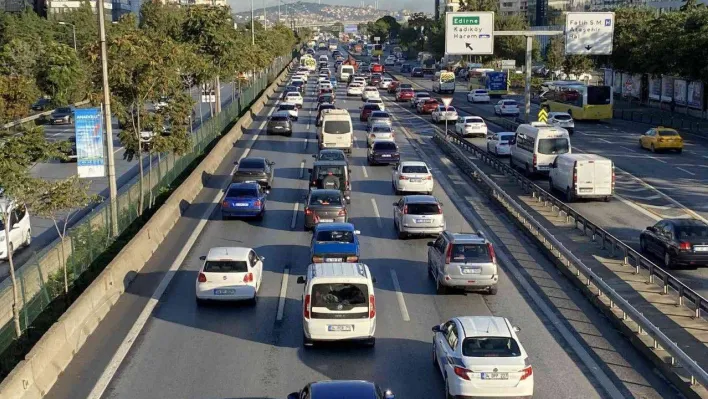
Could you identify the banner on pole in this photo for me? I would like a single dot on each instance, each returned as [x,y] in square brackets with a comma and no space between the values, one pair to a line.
[90,158]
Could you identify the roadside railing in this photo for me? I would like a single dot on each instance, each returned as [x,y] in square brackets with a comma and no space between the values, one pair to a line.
[459,148]
[660,119]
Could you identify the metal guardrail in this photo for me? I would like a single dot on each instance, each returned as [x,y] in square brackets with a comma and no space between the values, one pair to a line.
[660,119]
[37,116]
[574,263]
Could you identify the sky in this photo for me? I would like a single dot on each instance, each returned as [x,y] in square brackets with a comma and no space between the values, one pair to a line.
[394,5]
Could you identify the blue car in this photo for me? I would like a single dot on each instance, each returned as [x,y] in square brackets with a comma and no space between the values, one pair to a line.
[246,199]
[334,242]
[333,80]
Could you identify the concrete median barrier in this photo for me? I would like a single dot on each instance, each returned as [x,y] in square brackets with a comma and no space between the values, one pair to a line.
[33,377]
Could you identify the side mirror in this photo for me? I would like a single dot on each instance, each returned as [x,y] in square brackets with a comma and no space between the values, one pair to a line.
[301,280]
[651,228]
[437,329]
[430,243]
[516,329]
[203,257]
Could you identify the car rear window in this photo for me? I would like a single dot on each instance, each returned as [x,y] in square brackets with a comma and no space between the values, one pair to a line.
[332,156]
[665,133]
[509,103]
[562,117]
[382,129]
[482,92]
[335,236]
[64,110]
[286,107]
[506,137]
[324,171]
[331,295]
[337,127]
[385,145]
[423,209]
[414,169]
[252,163]
[490,347]
[474,120]
[553,146]
[380,114]
[692,232]
[279,118]
[325,199]
[241,192]
[225,266]
[470,253]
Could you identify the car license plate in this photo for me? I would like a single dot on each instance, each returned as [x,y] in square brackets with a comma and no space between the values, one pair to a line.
[416,180]
[241,204]
[423,220]
[495,376]
[333,259]
[386,155]
[278,127]
[339,328]
[471,270]
[224,291]
[326,220]
[585,190]
[701,249]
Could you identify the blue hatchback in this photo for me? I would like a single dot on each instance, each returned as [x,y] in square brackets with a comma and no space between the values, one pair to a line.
[334,242]
[333,80]
[245,199]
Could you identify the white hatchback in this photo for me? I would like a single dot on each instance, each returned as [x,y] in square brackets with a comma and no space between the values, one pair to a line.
[481,356]
[412,176]
[471,126]
[385,83]
[20,229]
[355,89]
[498,143]
[294,97]
[377,101]
[370,92]
[229,274]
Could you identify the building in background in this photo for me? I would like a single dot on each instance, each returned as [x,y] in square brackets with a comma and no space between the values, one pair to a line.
[54,8]
[443,6]
[662,5]
[550,12]
[513,7]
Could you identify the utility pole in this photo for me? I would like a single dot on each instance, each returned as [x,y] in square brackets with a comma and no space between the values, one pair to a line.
[265,20]
[112,188]
[279,1]
[253,26]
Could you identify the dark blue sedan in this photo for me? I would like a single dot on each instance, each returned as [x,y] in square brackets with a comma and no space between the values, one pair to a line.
[342,390]
[245,199]
[334,242]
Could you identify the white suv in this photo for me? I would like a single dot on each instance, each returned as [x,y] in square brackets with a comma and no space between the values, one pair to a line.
[481,356]
[20,230]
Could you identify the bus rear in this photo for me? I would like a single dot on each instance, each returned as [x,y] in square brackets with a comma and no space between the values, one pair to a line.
[582,102]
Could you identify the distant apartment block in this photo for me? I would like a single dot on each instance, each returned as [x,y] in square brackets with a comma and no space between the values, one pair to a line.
[443,6]
[513,7]
[663,5]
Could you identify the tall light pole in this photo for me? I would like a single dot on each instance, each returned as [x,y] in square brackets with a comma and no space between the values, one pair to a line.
[112,188]
[253,26]
[279,1]
[73,30]
[265,20]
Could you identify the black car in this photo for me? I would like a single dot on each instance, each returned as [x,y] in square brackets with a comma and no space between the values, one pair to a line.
[320,112]
[42,104]
[70,150]
[417,73]
[280,123]
[331,175]
[62,115]
[325,98]
[406,68]
[677,242]
[383,152]
[256,169]
[342,389]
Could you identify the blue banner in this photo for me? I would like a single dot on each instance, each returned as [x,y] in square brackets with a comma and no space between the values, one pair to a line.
[350,28]
[89,142]
[496,81]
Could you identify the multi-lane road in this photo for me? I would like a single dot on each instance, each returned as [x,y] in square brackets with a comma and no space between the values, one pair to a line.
[159,344]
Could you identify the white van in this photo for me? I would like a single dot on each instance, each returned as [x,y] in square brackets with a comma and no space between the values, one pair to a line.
[582,176]
[20,230]
[344,72]
[336,131]
[323,58]
[338,303]
[536,146]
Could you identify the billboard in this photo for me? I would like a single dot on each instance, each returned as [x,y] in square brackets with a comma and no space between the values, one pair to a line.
[350,29]
[694,95]
[496,81]
[89,142]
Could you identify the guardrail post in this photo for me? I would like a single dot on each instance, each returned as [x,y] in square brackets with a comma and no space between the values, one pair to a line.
[698,309]
[637,266]
[625,259]
[651,273]
[680,296]
[666,284]
[612,248]
[602,243]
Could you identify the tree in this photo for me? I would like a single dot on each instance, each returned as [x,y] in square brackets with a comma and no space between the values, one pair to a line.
[631,49]
[555,54]
[479,5]
[577,64]
[58,200]
[62,75]
[394,27]
[409,36]
[84,20]
[16,94]
[163,19]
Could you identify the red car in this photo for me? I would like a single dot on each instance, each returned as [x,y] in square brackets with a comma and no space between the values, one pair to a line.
[393,86]
[405,95]
[325,90]
[427,106]
[377,68]
[366,111]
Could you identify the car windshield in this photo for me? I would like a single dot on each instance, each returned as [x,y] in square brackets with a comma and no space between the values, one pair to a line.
[293,94]
[505,137]
[490,347]
[337,127]
[332,156]
[470,253]
[242,192]
[385,145]
[326,198]
[553,146]
[333,295]
[481,92]
[474,120]
[562,117]
[64,110]
[251,164]
[509,103]
[279,118]
[380,114]
[665,133]
[423,209]
[225,266]
[414,169]
[336,236]
[692,232]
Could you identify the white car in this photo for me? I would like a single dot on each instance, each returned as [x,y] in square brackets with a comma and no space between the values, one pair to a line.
[481,356]
[385,83]
[360,80]
[442,114]
[506,107]
[379,132]
[321,79]
[419,97]
[471,126]
[412,176]
[304,71]
[500,143]
[563,120]
[355,89]
[298,78]
[20,230]
[294,97]
[290,109]
[370,92]
[325,85]
[478,96]
[229,274]
[390,61]
[376,101]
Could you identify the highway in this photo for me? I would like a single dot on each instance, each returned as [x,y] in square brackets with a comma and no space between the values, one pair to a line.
[43,230]
[179,350]
[649,186]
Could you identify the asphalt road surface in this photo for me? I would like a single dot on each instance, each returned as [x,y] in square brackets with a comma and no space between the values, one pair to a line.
[174,349]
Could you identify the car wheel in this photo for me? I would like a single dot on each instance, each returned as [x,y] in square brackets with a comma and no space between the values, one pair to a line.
[668,260]
[550,185]
[401,234]
[652,149]
[448,395]
[28,239]
[371,342]
[307,342]
[569,195]
[200,302]
[680,150]
[253,301]
[260,215]
[492,290]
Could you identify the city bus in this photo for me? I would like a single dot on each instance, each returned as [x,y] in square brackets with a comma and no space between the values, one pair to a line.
[581,101]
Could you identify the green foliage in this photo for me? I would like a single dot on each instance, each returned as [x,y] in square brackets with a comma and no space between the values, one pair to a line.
[62,75]
[479,5]
[16,94]
[555,54]
[84,20]
[163,19]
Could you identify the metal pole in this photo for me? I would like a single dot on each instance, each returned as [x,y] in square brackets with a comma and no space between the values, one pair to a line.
[253,29]
[73,31]
[279,1]
[446,125]
[265,20]
[112,188]
[529,50]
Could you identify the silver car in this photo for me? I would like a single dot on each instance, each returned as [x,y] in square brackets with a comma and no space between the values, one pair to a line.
[462,261]
[378,118]
[379,132]
[563,120]
[419,215]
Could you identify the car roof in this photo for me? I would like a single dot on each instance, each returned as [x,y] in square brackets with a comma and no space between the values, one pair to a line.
[245,184]
[484,326]
[558,113]
[339,269]
[465,238]
[344,389]
[685,222]
[283,113]
[325,191]
[237,253]
[334,226]
[420,199]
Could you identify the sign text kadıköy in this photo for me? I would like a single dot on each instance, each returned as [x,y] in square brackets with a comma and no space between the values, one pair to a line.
[589,33]
[469,33]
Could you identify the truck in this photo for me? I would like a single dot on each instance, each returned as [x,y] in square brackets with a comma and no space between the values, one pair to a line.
[428,65]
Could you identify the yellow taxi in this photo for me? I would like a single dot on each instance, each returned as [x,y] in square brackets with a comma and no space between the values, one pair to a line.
[661,138]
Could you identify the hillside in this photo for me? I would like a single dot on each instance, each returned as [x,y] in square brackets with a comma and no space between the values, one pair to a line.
[308,12]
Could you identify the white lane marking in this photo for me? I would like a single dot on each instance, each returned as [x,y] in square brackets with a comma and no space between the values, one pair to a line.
[684,170]
[376,213]
[302,169]
[605,141]
[283,291]
[363,169]
[627,148]
[399,296]
[638,208]
[657,159]
[650,198]
[110,371]
[119,149]
[305,141]
[296,205]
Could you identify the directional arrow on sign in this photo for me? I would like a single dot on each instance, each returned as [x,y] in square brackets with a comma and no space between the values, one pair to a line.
[588,47]
[469,46]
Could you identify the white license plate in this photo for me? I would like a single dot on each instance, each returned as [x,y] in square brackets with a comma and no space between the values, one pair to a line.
[278,127]
[423,221]
[701,249]
[416,180]
[386,155]
[241,204]
[326,220]
[471,270]
[339,328]
[495,376]
[224,291]
[585,190]
[333,259]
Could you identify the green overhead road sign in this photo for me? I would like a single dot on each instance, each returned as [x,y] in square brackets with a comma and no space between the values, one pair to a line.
[469,33]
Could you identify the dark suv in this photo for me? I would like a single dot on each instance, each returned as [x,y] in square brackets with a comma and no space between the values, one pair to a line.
[331,175]
[255,169]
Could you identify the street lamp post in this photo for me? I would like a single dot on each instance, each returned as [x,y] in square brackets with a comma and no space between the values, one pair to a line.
[253,26]
[73,31]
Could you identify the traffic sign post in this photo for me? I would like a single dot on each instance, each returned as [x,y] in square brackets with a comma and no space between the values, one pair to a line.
[469,33]
[589,33]
[446,101]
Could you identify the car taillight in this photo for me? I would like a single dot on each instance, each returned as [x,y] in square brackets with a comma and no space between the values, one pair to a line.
[225,203]
[342,212]
[440,209]
[405,209]
[429,177]
[492,255]
[575,176]
[613,178]
[401,177]
[352,258]
[448,254]
[202,278]
[308,211]
[248,278]
[257,203]
[685,245]
[346,183]
[317,259]
[534,160]
[462,373]
[372,306]
[306,307]
[526,373]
